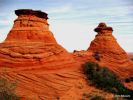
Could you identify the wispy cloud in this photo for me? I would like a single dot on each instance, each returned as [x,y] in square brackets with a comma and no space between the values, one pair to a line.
[59,9]
[70,18]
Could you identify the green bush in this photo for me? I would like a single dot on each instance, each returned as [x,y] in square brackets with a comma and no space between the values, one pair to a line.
[7,90]
[104,79]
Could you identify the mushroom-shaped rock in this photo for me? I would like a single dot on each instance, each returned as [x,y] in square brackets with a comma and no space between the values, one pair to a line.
[110,51]
[101,27]
[32,26]
[31,12]
[106,51]
[32,57]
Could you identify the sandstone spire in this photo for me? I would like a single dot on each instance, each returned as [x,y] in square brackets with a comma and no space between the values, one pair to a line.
[31,26]
[109,51]
[31,56]
[31,44]
[106,44]
[43,69]
[106,51]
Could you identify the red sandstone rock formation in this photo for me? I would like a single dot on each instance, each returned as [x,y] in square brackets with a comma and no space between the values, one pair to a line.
[110,51]
[31,44]
[105,50]
[30,26]
[43,69]
[31,56]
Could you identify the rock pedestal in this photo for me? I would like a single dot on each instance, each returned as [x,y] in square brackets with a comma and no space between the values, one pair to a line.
[31,26]
[106,45]
[31,44]
[44,70]
[109,51]
[31,56]
[105,50]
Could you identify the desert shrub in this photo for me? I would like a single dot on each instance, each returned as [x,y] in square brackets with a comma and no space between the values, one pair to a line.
[104,79]
[7,90]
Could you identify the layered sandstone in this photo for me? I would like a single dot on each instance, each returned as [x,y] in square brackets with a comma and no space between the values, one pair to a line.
[105,50]
[30,26]
[31,56]
[44,70]
[31,44]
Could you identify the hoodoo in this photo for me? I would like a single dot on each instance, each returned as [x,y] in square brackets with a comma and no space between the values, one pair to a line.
[31,56]
[44,70]
[105,50]
[31,26]
[107,47]
[30,44]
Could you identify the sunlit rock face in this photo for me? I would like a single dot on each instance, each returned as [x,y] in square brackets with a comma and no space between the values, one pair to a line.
[110,52]
[31,26]
[31,56]
[106,45]
[31,44]
[44,70]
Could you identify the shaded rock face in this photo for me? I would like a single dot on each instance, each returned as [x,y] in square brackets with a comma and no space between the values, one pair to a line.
[105,50]
[31,56]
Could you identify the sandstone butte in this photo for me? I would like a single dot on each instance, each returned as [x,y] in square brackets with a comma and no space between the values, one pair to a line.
[44,70]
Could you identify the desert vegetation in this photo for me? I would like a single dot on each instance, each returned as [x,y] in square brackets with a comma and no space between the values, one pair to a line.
[104,79]
[7,90]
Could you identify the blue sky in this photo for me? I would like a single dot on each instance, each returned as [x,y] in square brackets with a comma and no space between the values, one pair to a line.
[72,21]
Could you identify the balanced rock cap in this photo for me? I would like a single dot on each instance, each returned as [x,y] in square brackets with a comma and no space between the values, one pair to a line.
[37,13]
[102,26]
